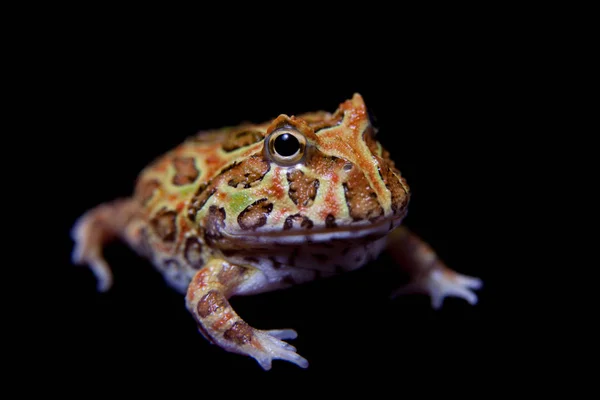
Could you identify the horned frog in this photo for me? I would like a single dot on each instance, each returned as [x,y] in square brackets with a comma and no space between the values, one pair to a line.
[260,207]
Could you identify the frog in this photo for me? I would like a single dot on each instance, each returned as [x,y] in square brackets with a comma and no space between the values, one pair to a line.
[260,207]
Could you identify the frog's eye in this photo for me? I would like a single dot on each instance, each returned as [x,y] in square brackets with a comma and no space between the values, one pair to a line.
[286,146]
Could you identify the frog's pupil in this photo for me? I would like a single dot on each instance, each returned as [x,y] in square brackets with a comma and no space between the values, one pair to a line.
[286,145]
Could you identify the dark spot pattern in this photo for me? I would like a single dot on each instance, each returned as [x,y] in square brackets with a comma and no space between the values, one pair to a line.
[302,190]
[193,252]
[247,172]
[164,226]
[211,303]
[361,198]
[230,252]
[255,215]
[230,274]
[330,221]
[145,190]
[243,174]
[397,187]
[214,224]
[304,222]
[240,333]
[239,139]
[391,177]
[185,171]
[199,200]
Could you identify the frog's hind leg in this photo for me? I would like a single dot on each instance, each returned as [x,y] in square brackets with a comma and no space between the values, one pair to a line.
[94,229]
[207,300]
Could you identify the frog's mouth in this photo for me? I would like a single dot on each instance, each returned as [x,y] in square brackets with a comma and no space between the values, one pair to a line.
[362,230]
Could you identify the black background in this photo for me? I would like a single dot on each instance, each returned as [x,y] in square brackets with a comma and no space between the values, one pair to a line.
[442,106]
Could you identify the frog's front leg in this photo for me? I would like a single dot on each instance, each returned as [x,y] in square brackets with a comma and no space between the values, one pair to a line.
[429,275]
[207,300]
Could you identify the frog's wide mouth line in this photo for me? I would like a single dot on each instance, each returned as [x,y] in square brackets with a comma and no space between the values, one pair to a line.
[320,234]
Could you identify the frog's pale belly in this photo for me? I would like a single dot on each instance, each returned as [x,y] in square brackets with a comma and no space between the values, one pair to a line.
[260,207]
[304,263]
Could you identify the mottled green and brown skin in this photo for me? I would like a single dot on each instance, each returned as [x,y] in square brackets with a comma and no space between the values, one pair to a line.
[226,214]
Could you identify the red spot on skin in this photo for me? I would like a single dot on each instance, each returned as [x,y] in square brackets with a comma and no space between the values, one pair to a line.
[221,196]
[180,206]
[222,321]
[334,177]
[332,203]
[172,197]
[331,200]
[279,214]
[277,188]
[201,278]
[199,282]
[284,210]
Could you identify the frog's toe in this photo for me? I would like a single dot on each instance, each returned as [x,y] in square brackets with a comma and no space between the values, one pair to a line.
[88,238]
[283,334]
[439,284]
[269,347]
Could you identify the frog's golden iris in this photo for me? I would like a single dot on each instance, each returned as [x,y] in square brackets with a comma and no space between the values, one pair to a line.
[286,146]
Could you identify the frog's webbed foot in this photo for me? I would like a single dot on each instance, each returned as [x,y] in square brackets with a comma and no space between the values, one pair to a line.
[93,230]
[429,275]
[266,346]
[440,283]
[207,300]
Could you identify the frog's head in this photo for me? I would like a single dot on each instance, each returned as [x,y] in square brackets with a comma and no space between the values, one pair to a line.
[314,176]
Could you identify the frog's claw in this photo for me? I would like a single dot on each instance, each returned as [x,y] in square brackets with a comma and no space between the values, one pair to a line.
[441,283]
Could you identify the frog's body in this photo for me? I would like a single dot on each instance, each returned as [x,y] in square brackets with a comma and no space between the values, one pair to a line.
[261,207]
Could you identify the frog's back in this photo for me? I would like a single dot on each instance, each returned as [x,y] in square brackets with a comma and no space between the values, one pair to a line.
[176,175]
[174,178]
